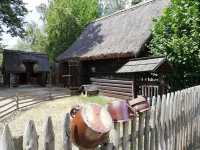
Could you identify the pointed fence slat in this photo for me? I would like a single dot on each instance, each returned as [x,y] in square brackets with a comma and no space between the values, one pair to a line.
[117,136]
[172,123]
[49,138]
[30,139]
[66,134]
[6,142]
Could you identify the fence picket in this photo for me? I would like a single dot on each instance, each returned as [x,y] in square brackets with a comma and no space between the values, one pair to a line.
[172,123]
[152,123]
[49,139]
[141,131]
[6,140]
[133,134]
[66,134]
[125,145]
[30,138]
[117,138]
[147,129]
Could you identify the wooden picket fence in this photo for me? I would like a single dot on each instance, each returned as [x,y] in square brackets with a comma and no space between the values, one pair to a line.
[172,123]
[21,100]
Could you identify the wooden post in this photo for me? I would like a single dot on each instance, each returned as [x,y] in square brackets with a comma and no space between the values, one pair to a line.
[30,137]
[151,115]
[141,132]
[66,135]
[49,138]
[17,101]
[117,138]
[125,145]
[133,134]
[157,124]
[6,142]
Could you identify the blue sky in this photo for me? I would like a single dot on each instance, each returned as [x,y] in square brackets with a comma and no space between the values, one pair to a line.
[31,16]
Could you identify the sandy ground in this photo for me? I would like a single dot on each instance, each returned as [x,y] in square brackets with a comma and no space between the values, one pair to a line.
[39,113]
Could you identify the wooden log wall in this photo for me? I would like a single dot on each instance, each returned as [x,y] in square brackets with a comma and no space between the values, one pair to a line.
[172,123]
[124,89]
[114,88]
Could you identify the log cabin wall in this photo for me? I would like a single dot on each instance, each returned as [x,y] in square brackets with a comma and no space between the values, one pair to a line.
[101,68]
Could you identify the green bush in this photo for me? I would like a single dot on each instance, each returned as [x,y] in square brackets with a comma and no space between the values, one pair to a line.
[177,35]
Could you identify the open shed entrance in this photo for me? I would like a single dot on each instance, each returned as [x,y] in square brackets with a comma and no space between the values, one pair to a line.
[71,75]
[28,76]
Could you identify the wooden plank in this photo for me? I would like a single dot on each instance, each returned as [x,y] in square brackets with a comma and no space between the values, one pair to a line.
[125,144]
[10,107]
[30,137]
[157,124]
[6,114]
[111,84]
[6,98]
[133,134]
[67,145]
[162,122]
[119,89]
[110,81]
[117,138]
[49,136]
[1,106]
[6,142]
[141,132]
[115,92]
[152,117]
[147,131]
[30,104]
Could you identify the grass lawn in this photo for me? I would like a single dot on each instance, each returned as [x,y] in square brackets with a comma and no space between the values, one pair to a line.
[94,99]
[56,109]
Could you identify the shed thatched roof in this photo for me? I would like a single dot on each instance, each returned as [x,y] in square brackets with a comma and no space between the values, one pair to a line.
[122,34]
[147,64]
[12,60]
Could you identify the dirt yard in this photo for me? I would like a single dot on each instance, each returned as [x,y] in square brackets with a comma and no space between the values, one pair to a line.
[56,109]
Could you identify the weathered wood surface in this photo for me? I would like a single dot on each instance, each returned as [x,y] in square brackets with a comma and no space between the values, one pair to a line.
[6,140]
[30,141]
[49,138]
[66,134]
[172,123]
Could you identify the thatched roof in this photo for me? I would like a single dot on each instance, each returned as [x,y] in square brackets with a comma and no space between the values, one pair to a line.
[147,64]
[121,34]
[13,60]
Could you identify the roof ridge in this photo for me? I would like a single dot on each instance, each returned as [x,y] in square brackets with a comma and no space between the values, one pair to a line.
[21,51]
[123,10]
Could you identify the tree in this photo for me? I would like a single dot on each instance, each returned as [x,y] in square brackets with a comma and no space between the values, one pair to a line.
[35,38]
[177,35]
[11,17]
[65,21]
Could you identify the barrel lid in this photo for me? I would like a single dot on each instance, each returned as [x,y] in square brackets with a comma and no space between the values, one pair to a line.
[97,118]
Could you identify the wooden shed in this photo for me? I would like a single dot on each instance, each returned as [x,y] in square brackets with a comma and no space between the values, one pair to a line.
[21,68]
[108,43]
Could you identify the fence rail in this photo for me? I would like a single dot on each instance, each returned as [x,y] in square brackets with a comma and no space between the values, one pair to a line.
[172,123]
[21,100]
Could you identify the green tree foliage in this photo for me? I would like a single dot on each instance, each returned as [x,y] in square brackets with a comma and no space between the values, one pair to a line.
[35,38]
[65,21]
[11,17]
[177,35]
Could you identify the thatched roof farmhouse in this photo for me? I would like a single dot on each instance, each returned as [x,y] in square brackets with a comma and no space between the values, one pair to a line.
[110,42]
[122,34]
